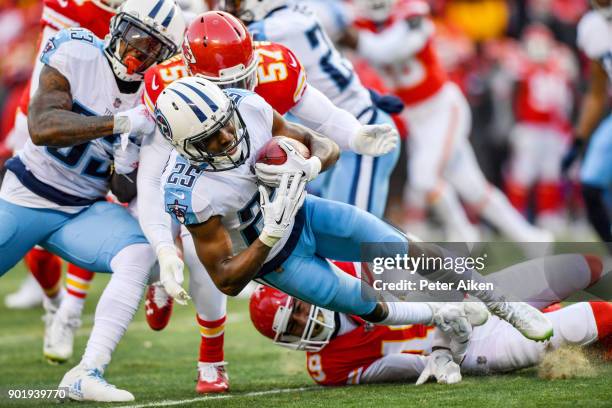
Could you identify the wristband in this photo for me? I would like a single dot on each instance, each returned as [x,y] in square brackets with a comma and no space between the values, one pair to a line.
[268,240]
[121,125]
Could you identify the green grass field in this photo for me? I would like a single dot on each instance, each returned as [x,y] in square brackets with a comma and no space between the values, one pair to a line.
[159,369]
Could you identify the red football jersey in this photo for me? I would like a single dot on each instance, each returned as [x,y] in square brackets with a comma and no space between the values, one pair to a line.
[419,77]
[60,14]
[542,96]
[346,357]
[281,78]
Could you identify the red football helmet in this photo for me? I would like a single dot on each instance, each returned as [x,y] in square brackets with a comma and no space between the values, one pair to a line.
[271,311]
[218,47]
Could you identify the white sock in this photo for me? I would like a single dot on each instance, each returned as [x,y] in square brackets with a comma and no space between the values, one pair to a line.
[71,307]
[118,303]
[401,313]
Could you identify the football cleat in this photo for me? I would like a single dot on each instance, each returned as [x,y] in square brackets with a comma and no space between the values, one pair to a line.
[158,306]
[212,378]
[59,338]
[88,384]
[441,366]
[28,295]
[528,320]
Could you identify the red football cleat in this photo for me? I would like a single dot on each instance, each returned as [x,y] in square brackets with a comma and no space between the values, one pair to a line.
[158,306]
[212,378]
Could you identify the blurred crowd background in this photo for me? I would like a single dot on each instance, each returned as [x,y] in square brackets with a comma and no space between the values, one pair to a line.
[484,45]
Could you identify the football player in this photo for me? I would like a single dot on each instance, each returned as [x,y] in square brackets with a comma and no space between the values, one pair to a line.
[53,193]
[209,187]
[400,40]
[46,268]
[358,180]
[596,172]
[542,106]
[344,350]
[218,47]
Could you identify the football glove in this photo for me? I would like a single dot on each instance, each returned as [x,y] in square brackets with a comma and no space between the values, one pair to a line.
[126,160]
[452,320]
[375,140]
[441,366]
[278,214]
[171,273]
[270,175]
[133,125]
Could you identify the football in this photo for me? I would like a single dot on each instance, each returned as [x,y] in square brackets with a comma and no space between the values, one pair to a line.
[272,153]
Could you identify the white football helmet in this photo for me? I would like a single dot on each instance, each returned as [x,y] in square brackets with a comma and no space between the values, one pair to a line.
[190,113]
[250,10]
[108,5]
[153,28]
[604,7]
[375,10]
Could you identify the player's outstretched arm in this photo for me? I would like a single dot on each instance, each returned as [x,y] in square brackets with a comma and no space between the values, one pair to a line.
[325,149]
[214,248]
[51,121]
[594,102]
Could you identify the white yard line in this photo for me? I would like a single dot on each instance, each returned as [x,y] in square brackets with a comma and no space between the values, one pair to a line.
[169,403]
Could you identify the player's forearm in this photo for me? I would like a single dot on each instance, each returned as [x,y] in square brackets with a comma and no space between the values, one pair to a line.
[317,112]
[63,128]
[400,41]
[234,273]
[591,110]
[326,150]
[154,221]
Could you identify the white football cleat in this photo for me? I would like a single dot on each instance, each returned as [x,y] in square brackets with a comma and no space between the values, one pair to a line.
[88,384]
[528,320]
[29,295]
[441,366]
[59,338]
[476,312]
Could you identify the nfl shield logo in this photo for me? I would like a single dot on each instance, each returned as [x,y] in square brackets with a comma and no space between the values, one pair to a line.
[117,103]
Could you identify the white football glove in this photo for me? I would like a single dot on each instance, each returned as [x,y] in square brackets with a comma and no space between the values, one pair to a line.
[452,320]
[441,366]
[375,140]
[171,274]
[270,175]
[133,124]
[126,160]
[279,213]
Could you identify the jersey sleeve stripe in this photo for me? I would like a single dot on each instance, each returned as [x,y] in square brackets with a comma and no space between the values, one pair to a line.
[57,20]
[149,102]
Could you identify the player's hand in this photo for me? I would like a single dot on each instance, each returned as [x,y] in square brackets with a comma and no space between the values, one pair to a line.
[171,274]
[453,321]
[270,175]
[126,160]
[375,140]
[574,152]
[441,366]
[279,213]
[133,124]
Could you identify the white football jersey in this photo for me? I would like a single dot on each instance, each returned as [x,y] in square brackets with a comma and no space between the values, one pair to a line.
[79,172]
[297,27]
[193,196]
[595,39]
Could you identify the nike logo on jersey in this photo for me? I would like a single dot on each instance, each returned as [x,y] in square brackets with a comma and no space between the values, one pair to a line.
[154,86]
[180,196]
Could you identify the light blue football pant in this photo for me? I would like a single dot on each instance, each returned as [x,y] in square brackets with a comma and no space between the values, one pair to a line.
[336,231]
[597,164]
[363,181]
[89,239]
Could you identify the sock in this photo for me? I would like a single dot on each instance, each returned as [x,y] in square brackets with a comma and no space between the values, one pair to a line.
[602,311]
[47,269]
[549,198]
[402,313]
[597,211]
[118,303]
[212,339]
[505,218]
[78,281]
[517,195]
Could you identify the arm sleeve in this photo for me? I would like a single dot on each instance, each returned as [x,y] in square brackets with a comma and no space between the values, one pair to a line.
[394,368]
[154,221]
[318,113]
[397,42]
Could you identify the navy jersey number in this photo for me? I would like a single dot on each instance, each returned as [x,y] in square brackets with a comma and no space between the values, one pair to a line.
[183,175]
[331,62]
[72,156]
[251,216]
